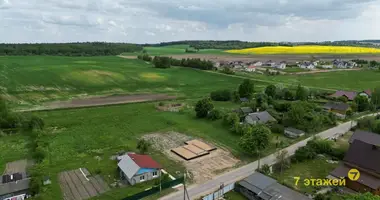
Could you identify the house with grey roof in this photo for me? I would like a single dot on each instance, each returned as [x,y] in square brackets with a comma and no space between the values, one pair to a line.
[14,187]
[293,133]
[365,136]
[245,110]
[259,118]
[260,187]
[137,168]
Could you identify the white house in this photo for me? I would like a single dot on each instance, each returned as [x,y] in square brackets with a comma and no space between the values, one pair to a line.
[136,168]
[307,65]
[258,64]
[281,65]
[251,68]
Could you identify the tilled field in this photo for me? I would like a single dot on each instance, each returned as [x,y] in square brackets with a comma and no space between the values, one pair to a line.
[76,185]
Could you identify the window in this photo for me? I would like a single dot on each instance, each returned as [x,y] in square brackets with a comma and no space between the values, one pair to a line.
[142,178]
[155,174]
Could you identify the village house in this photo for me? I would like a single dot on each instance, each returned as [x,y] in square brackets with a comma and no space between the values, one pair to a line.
[366,93]
[364,157]
[136,168]
[365,136]
[293,133]
[269,63]
[260,187]
[306,65]
[338,108]
[259,118]
[344,64]
[350,95]
[281,65]
[14,186]
[258,64]
[244,111]
[250,68]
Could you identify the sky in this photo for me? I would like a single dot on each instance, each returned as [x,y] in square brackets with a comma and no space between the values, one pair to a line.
[154,21]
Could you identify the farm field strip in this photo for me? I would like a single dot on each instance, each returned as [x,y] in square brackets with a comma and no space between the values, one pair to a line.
[306,49]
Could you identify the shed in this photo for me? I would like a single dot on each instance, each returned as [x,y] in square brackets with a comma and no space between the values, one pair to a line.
[293,133]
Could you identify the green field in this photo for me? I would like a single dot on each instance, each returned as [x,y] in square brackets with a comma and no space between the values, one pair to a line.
[36,79]
[12,148]
[305,170]
[175,50]
[343,80]
[234,196]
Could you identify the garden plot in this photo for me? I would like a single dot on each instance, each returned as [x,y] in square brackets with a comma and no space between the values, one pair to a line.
[202,168]
[79,184]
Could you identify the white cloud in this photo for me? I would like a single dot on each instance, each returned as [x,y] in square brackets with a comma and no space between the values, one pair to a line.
[147,21]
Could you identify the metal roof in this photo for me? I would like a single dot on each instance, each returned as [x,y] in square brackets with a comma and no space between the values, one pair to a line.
[12,187]
[128,166]
[296,131]
[366,136]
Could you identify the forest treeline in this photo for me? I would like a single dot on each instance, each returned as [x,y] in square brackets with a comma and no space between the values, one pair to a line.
[69,49]
[236,44]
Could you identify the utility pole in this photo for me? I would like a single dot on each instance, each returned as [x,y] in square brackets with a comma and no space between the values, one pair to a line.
[160,180]
[258,161]
[184,185]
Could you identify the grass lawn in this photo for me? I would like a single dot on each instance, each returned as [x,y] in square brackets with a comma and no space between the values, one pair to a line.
[234,196]
[35,79]
[12,148]
[338,80]
[294,69]
[316,168]
[74,139]
[176,49]
[342,142]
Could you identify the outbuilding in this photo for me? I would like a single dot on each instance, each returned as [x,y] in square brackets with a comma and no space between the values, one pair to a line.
[293,133]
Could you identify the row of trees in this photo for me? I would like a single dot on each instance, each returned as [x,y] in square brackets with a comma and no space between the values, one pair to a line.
[69,49]
[166,62]
[13,122]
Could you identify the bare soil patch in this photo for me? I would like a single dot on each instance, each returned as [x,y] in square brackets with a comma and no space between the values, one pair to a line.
[291,58]
[172,107]
[18,166]
[106,100]
[203,168]
[128,57]
[79,184]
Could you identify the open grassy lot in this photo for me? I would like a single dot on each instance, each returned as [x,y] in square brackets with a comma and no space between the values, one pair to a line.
[88,137]
[234,196]
[36,79]
[316,168]
[342,80]
[12,148]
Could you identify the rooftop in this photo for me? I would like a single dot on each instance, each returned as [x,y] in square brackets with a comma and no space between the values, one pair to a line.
[364,155]
[365,136]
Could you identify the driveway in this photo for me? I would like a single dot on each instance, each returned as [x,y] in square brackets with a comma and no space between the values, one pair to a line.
[197,191]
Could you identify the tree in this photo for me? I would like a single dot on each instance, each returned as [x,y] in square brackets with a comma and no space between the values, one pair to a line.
[301,93]
[161,62]
[362,103]
[203,107]
[36,123]
[255,141]
[288,95]
[282,160]
[295,115]
[261,99]
[265,169]
[231,119]
[342,99]
[270,90]
[246,89]
[143,146]
[214,114]
[375,98]
[221,95]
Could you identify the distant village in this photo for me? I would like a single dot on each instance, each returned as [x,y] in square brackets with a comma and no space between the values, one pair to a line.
[308,65]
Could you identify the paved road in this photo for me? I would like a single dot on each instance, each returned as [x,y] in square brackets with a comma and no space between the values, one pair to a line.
[197,191]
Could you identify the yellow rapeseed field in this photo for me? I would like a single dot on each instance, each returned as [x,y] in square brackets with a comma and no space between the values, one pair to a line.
[306,49]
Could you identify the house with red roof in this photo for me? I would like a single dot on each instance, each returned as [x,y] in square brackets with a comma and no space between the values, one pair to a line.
[350,95]
[137,168]
[250,68]
[366,93]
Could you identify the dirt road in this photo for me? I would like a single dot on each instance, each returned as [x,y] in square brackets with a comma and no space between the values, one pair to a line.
[324,71]
[102,101]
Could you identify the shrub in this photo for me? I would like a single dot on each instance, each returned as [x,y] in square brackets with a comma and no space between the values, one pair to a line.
[277,128]
[304,153]
[265,169]
[161,104]
[214,114]
[221,95]
[161,62]
[35,185]
[143,146]
[203,107]
[230,119]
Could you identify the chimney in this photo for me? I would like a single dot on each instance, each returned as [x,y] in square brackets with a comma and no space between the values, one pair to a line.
[11,177]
